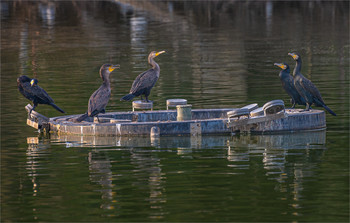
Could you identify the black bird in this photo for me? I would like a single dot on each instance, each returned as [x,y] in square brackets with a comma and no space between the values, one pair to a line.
[145,81]
[29,88]
[288,85]
[306,88]
[99,99]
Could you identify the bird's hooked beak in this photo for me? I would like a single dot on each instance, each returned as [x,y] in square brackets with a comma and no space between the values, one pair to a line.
[160,52]
[32,82]
[295,57]
[113,67]
[281,65]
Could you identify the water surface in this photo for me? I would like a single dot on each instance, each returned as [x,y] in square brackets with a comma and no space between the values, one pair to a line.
[218,54]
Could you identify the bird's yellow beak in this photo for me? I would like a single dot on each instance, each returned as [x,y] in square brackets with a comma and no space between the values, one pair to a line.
[32,82]
[281,65]
[160,52]
[293,55]
[113,67]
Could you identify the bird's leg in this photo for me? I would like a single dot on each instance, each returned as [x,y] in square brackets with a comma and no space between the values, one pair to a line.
[308,107]
[147,99]
[30,112]
[141,98]
[293,106]
[98,119]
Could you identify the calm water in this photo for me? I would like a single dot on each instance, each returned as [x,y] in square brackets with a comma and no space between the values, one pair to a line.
[219,54]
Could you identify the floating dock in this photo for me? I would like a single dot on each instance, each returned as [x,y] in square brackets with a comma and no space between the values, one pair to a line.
[269,119]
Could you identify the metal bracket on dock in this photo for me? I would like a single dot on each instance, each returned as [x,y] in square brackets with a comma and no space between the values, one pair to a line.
[232,123]
[37,120]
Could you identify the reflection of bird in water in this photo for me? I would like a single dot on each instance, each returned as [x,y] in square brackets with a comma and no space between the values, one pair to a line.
[145,81]
[288,85]
[306,88]
[99,99]
[29,88]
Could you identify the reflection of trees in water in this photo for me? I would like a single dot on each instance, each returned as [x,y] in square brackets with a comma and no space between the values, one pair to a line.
[216,45]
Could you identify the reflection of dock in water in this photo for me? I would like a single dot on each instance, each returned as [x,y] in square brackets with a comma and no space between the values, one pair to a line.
[299,140]
[285,159]
[131,142]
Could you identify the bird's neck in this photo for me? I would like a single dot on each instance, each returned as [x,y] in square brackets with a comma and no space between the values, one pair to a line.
[154,65]
[105,78]
[106,81]
[283,74]
[297,68]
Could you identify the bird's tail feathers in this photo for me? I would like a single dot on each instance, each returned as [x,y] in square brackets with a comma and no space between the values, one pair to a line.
[82,117]
[57,108]
[329,110]
[127,97]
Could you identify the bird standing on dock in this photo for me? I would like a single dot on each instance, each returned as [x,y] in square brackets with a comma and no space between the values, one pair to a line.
[306,88]
[99,99]
[29,88]
[288,85]
[145,81]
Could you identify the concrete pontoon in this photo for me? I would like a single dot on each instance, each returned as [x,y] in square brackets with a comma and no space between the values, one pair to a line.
[271,118]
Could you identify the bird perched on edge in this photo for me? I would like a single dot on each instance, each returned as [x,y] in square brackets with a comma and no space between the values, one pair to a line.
[99,99]
[288,85]
[145,81]
[29,88]
[305,87]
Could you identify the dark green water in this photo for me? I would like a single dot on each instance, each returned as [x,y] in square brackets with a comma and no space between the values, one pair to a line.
[218,54]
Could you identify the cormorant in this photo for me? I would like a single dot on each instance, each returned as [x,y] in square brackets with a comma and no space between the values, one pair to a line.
[29,88]
[288,85]
[99,99]
[306,88]
[145,81]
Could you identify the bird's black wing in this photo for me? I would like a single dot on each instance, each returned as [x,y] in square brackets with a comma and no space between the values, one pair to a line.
[145,80]
[41,95]
[310,87]
[99,100]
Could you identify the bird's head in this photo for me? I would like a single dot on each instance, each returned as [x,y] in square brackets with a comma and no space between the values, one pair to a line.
[107,69]
[295,56]
[283,66]
[33,82]
[154,54]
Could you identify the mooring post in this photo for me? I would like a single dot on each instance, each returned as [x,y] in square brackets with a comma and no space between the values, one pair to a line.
[174,102]
[184,112]
[142,105]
